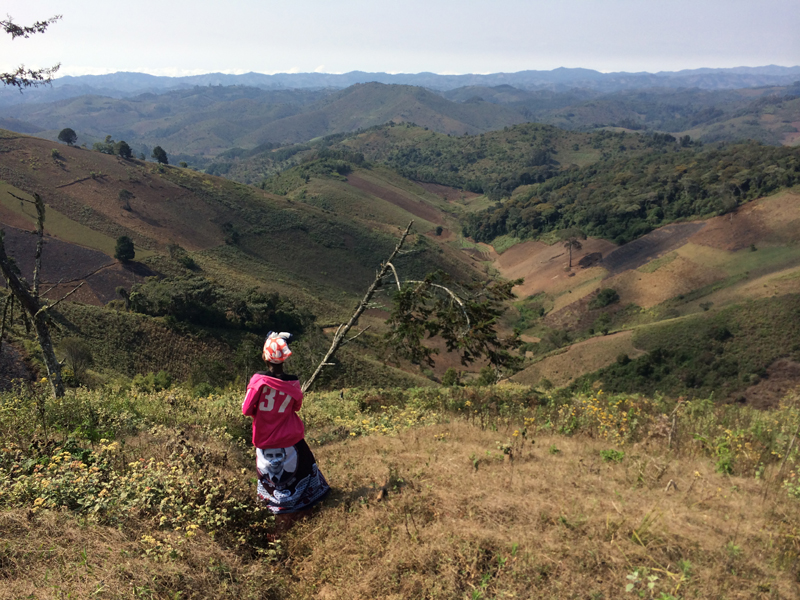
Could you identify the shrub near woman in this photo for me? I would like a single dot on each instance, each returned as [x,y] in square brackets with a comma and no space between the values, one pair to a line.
[288,478]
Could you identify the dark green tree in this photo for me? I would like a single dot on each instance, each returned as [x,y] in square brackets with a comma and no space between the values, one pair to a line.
[160,155]
[124,249]
[68,136]
[123,150]
[451,377]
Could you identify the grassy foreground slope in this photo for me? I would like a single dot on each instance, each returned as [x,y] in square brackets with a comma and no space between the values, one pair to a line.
[462,493]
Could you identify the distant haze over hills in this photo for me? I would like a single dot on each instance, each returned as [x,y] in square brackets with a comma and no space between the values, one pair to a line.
[561,79]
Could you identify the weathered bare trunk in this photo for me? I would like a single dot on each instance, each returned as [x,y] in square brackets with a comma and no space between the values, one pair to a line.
[30,304]
[37,262]
[341,333]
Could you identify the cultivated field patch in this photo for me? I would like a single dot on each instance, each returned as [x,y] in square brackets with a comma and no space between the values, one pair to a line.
[566,365]
[544,267]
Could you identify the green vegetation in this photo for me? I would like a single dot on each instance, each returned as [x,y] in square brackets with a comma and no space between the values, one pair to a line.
[124,249]
[128,487]
[468,325]
[160,155]
[623,197]
[708,353]
[494,163]
[109,146]
[605,297]
[196,300]
[68,136]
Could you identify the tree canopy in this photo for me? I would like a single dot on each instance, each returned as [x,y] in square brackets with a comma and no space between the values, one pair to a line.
[160,155]
[68,136]
[124,249]
[467,321]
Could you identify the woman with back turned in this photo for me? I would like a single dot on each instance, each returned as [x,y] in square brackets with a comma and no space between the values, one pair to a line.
[288,478]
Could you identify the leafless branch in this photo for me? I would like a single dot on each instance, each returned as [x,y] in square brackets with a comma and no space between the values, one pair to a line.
[60,300]
[347,341]
[21,199]
[396,278]
[338,339]
[50,289]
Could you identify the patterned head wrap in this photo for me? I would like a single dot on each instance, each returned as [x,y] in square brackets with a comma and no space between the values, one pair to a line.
[276,350]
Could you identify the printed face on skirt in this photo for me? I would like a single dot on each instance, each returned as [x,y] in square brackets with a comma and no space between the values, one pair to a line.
[275,461]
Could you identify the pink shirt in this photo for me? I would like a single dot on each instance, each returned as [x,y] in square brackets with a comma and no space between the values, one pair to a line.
[273,404]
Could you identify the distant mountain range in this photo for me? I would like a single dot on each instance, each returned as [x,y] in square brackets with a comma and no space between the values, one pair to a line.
[200,123]
[118,85]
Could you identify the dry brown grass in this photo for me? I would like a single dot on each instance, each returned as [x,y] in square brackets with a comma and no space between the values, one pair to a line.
[564,525]
[440,512]
[53,555]
[583,357]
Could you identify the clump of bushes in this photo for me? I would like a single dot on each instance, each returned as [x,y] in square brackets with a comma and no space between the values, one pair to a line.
[604,298]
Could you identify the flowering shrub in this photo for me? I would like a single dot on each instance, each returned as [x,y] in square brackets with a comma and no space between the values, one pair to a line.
[617,419]
[177,493]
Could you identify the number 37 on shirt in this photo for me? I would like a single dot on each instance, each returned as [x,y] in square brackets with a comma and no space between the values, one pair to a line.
[268,400]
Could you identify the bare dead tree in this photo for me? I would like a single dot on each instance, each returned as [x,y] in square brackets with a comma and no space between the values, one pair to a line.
[340,338]
[34,310]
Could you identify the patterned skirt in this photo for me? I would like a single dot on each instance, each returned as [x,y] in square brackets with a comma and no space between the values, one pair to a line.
[288,478]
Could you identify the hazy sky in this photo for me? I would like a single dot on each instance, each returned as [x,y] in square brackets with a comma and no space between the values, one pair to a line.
[179,37]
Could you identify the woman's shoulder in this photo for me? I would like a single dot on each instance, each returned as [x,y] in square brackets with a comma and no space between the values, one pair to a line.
[282,376]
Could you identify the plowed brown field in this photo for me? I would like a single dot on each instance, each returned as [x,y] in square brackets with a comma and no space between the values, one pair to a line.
[543,266]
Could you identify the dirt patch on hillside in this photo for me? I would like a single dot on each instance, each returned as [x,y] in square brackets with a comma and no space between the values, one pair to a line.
[64,265]
[792,137]
[61,261]
[543,266]
[641,251]
[161,211]
[577,315]
[775,219]
[680,276]
[415,207]
[783,376]
[579,359]
[450,194]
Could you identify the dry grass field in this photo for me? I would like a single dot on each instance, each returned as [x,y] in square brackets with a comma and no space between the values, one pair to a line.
[498,493]
[565,365]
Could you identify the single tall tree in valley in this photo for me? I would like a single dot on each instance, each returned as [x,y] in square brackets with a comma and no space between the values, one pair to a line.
[572,240]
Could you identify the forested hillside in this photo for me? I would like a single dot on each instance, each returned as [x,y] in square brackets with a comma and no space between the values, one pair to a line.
[624,197]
